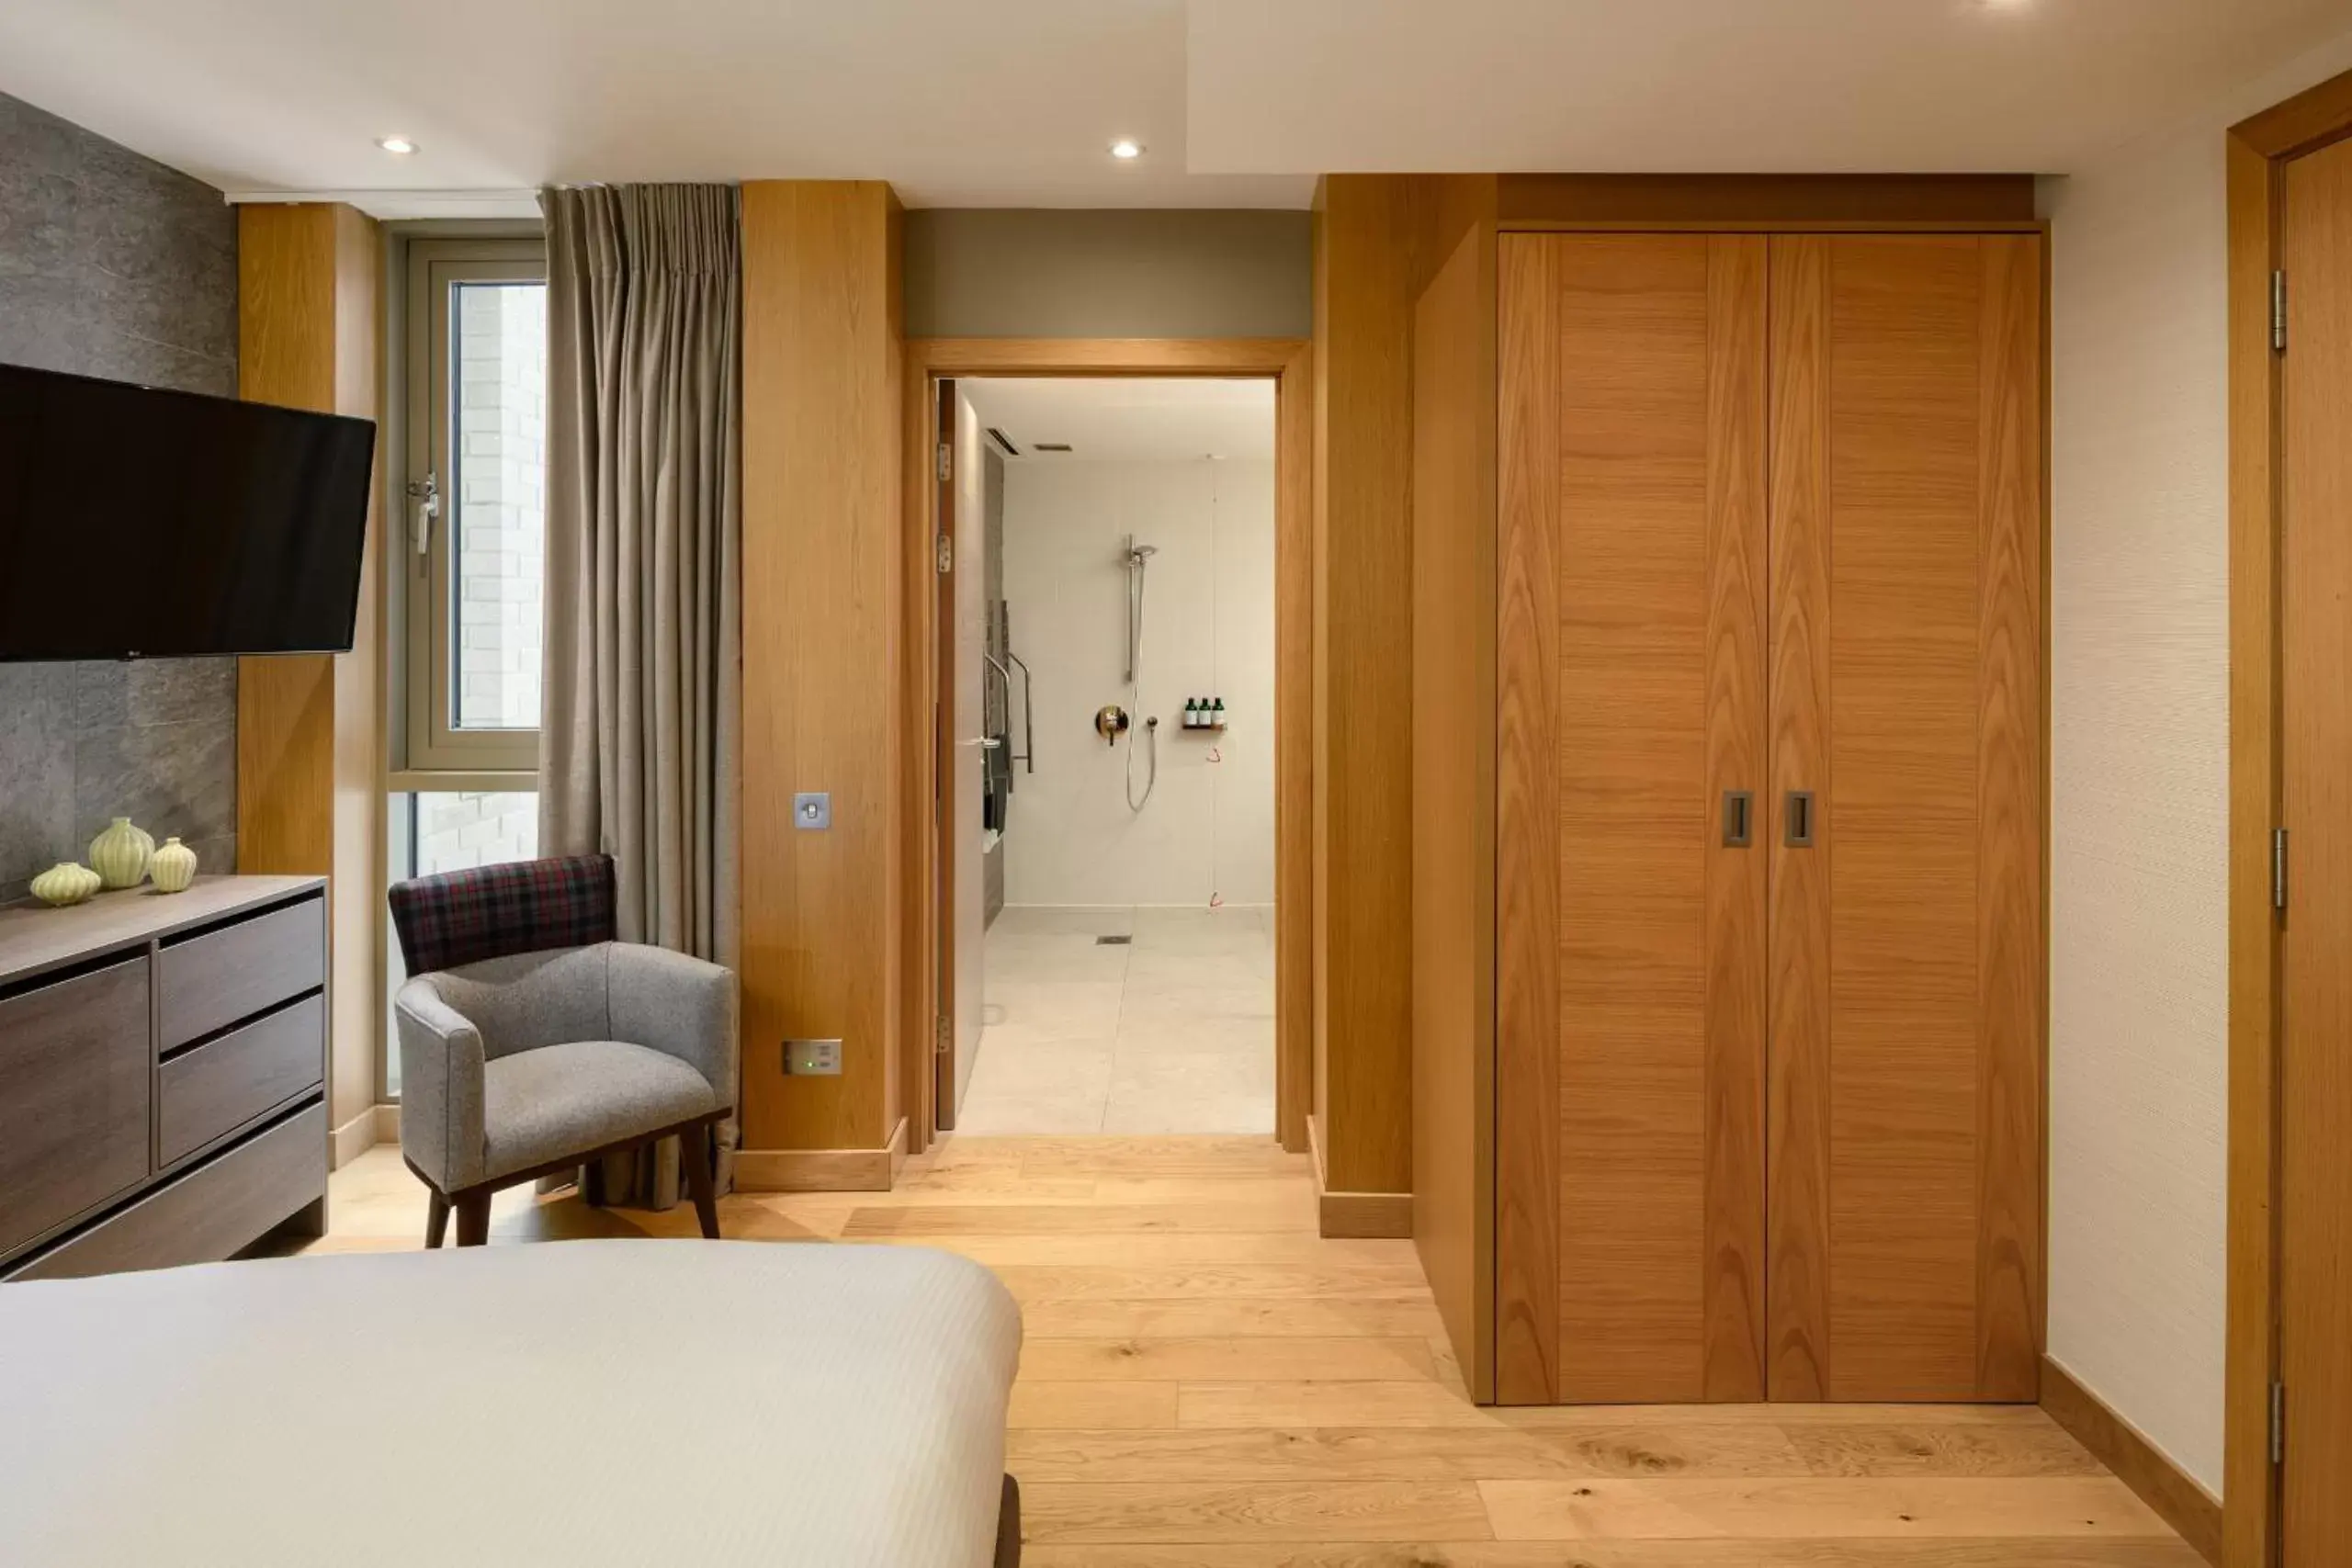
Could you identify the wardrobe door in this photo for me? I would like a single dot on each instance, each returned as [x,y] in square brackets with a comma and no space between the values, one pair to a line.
[1905,899]
[1631,874]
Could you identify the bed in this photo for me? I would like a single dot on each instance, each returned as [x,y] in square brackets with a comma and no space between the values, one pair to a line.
[706,1404]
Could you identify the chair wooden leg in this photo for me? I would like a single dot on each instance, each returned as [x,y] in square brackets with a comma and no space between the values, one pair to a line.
[436,1221]
[698,1152]
[473,1218]
[592,1183]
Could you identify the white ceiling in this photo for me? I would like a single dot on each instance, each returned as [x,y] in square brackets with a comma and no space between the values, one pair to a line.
[1013,102]
[2024,87]
[1005,103]
[1130,419]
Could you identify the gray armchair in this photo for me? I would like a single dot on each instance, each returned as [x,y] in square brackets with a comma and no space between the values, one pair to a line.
[528,1064]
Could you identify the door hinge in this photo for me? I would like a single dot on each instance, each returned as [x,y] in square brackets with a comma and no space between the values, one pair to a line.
[943,1036]
[2279,312]
[2277,1423]
[943,554]
[2278,869]
[946,462]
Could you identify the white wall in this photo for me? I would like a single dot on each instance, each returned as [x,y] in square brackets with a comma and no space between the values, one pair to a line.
[2138,970]
[1208,830]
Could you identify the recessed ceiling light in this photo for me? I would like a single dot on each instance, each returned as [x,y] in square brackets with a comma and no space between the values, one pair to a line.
[401,145]
[1126,147]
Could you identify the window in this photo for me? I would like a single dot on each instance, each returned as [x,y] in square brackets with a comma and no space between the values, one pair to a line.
[476,485]
[438,831]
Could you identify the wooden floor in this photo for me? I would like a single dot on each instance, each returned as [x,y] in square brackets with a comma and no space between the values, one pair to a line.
[1207,1384]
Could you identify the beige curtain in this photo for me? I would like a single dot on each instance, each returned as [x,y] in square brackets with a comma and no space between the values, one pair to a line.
[644,605]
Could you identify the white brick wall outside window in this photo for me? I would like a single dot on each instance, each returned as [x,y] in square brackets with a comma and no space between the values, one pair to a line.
[501,505]
[453,831]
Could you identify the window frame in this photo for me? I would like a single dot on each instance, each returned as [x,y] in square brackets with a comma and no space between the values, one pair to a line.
[435,742]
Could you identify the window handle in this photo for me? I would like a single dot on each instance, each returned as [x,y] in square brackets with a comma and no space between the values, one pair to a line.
[427,496]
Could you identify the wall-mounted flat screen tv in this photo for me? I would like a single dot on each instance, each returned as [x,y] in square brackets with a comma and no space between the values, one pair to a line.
[143,523]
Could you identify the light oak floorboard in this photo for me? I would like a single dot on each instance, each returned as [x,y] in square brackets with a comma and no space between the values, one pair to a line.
[1678,1510]
[1276,1510]
[1410,1453]
[2012,1553]
[1148,1359]
[1196,1393]
[1062,1405]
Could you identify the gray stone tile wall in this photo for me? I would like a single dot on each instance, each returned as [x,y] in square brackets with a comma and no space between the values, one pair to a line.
[112,264]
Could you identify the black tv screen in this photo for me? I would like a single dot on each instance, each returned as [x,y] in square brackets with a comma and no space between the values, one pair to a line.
[137,522]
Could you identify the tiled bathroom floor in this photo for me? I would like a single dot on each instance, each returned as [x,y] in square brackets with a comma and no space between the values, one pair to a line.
[1172,1032]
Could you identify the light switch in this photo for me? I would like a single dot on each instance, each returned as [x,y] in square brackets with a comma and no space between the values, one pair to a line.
[812,810]
[812,1059]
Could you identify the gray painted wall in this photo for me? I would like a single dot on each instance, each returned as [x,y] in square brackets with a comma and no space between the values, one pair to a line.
[1040,271]
[111,265]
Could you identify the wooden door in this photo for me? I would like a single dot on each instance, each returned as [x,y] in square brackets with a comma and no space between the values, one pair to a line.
[1905,1142]
[2315,1062]
[1629,934]
[963,609]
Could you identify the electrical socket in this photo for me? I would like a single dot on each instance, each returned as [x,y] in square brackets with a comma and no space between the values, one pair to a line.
[812,1059]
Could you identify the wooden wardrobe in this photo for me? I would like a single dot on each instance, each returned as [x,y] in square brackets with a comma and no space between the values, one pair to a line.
[1767,815]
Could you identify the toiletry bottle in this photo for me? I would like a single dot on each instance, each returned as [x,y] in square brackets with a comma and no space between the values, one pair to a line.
[1217,714]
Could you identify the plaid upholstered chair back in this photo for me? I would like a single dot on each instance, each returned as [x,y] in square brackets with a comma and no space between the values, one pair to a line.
[464,917]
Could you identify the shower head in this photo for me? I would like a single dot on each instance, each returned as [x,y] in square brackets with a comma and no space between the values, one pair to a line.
[1139,553]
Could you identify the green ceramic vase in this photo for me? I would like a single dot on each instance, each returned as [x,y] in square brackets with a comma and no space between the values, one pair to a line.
[119,855]
[173,867]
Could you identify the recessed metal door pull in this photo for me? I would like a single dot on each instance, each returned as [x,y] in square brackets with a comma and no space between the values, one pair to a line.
[1738,809]
[1799,835]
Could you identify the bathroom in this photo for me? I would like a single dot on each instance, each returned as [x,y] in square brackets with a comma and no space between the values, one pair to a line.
[1116,649]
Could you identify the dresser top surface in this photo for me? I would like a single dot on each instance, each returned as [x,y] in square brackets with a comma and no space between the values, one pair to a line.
[35,938]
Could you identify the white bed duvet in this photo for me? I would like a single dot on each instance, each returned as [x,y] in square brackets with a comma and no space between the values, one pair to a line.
[584,1403]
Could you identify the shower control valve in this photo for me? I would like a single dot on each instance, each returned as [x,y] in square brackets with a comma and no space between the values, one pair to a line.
[1111,723]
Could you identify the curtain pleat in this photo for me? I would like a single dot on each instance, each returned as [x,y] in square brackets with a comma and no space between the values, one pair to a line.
[644,606]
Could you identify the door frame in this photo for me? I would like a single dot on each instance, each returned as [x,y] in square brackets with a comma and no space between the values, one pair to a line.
[2259,150]
[925,876]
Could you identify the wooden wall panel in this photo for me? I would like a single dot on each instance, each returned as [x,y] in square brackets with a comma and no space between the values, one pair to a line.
[1453,793]
[1363,680]
[287,325]
[1527,829]
[1907,1054]
[823,633]
[1768,201]
[310,729]
[2012,942]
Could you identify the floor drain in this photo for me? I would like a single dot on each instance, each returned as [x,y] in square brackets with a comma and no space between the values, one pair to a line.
[1113,940]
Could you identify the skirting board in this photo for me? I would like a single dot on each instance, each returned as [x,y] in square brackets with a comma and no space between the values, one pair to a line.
[822,1170]
[2179,1501]
[1355,1215]
[377,1125]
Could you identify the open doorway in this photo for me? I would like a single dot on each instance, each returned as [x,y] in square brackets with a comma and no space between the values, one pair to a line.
[1107,677]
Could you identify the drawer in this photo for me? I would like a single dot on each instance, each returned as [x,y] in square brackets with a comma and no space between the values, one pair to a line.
[75,1075]
[208,981]
[211,1211]
[225,1083]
